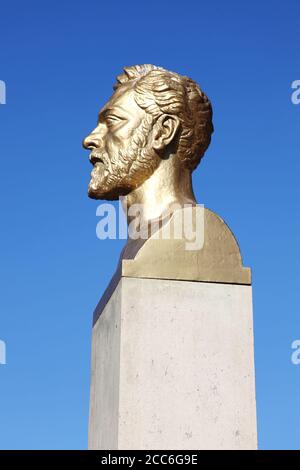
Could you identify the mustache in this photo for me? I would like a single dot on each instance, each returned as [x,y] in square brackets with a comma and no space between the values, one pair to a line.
[99,156]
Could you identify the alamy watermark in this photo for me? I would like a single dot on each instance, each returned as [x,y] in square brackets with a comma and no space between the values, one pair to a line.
[2,352]
[2,92]
[295,357]
[180,222]
[295,97]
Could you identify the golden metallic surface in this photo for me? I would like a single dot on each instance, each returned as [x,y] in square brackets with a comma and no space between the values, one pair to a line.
[218,260]
[150,136]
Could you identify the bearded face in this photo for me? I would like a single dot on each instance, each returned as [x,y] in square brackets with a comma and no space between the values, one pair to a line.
[121,152]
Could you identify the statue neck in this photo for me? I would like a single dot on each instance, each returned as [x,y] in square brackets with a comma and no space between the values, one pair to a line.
[169,185]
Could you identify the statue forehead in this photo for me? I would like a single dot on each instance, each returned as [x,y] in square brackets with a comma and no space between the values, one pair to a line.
[123,98]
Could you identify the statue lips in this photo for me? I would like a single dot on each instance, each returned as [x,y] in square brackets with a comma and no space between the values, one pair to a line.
[95,158]
[100,167]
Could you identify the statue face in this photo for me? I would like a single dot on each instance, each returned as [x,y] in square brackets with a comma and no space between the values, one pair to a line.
[121,153]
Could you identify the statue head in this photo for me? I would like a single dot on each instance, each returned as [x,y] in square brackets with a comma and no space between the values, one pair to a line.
[154,116]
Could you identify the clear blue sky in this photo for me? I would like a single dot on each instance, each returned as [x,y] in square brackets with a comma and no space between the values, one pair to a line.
[59,61]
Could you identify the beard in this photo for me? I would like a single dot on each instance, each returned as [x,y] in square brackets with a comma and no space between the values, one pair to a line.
[119,174]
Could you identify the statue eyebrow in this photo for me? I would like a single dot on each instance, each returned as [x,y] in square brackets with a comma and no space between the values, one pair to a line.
[103,114]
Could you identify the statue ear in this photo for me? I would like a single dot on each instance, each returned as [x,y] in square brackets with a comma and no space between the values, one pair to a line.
[164,131]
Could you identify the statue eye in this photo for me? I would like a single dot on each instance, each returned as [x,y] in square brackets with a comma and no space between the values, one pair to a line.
[111,120]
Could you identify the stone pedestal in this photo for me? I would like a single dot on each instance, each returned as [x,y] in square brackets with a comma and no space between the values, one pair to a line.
[173,361]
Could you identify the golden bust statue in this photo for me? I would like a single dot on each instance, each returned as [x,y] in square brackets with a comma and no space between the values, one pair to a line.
[150,136]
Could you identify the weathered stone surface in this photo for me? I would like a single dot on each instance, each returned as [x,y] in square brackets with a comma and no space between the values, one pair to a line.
[173,367]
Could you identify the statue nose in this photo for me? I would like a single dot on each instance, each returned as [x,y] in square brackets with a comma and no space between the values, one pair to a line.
[90,142]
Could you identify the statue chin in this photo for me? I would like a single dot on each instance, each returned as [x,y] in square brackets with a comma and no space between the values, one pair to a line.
[108,194]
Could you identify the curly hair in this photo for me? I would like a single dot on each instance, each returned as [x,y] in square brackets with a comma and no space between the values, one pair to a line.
[159,91]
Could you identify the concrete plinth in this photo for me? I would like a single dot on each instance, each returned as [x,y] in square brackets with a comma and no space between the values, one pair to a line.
[173,367]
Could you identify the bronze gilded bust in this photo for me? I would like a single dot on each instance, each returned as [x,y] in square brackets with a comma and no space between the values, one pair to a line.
[150,137]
